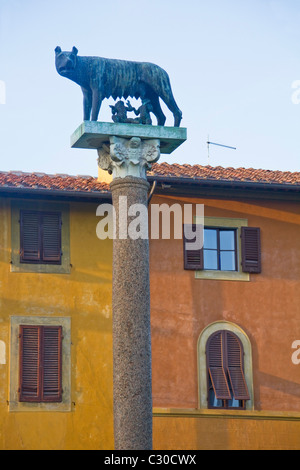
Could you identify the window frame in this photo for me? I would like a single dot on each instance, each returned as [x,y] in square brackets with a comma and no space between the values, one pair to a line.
[218,249]
[226,223]
[36,353]
[41,257]
[32,267]
[202,364]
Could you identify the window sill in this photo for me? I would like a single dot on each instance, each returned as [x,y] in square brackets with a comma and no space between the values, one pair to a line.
[222,275]
[17,406]
[229,414]
[17,267]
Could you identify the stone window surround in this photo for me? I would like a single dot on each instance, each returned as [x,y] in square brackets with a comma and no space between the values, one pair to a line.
[14,404]
[227,222]
[16,266]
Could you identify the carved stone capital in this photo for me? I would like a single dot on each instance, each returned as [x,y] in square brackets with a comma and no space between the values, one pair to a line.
[128,157]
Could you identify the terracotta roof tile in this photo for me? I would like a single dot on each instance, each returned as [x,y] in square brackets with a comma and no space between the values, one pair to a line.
[17,179]
[84,183]
[225,174]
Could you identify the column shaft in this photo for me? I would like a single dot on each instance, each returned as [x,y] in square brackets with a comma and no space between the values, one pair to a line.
[131,327]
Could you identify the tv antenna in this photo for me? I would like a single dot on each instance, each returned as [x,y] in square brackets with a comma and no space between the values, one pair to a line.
[219,145]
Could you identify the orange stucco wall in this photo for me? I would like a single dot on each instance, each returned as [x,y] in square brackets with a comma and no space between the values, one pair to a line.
[225,433]
[267,307]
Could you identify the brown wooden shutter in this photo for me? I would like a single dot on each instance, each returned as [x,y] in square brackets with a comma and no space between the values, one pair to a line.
[251,249]
[51,380]
[193,259]
[40,237]
[215,361]
[29,236]
[51,237]
[29,359]
[40,363]
[235,362]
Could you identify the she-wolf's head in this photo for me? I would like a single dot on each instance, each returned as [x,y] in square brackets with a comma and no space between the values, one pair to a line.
[65,62]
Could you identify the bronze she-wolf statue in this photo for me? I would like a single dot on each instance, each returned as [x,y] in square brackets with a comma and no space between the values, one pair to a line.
[101,78]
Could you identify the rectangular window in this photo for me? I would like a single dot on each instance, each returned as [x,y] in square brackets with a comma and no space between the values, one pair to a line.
[40,237]
[231,250]
[220,249]
[40,359]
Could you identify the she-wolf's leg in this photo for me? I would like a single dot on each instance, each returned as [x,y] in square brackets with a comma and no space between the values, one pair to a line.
[157,111]
[168,98]
[146,92]
[165,93]
[96,104]
[87,104]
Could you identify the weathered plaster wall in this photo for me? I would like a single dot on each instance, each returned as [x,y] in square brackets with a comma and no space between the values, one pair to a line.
[84,296]
[220,431]
[267,308]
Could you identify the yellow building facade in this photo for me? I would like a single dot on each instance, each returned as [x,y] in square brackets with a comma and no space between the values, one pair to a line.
[75,295]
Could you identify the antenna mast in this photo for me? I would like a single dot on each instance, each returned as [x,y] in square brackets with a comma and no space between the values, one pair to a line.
[219,145]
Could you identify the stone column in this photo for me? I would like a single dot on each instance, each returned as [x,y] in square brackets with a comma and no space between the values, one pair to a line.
[128,160]
[126,151]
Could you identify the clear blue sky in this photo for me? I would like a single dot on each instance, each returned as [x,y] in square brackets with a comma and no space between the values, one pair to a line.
[232,64]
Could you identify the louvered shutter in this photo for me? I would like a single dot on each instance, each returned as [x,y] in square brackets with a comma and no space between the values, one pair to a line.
[235,367]
[51,351]
[51,237]
[251,249]
[193,258]
[29,363]
[40,237]
[40,363]
[215,362]
[29,236]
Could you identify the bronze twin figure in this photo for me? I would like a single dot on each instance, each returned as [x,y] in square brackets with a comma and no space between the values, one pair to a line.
[101,78]
[119,112]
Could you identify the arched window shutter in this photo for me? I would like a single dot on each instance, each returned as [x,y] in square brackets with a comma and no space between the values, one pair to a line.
[225,363]
[235,367]
[215,359]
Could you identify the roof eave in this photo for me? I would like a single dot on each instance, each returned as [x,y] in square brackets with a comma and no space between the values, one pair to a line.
[182,184]
[54,193]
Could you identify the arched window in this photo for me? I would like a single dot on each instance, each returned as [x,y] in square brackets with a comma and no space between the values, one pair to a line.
[225,375]
[226,384]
